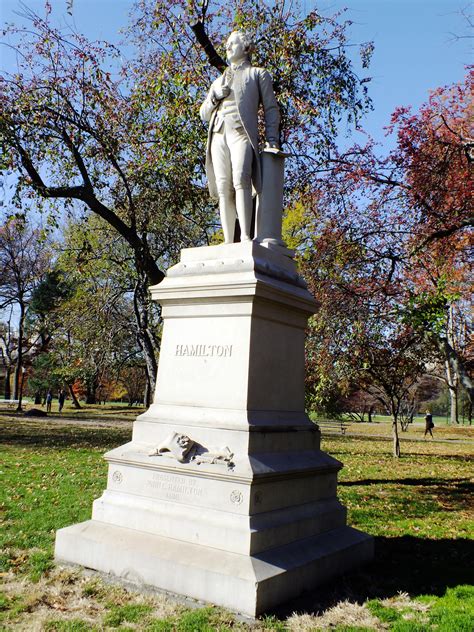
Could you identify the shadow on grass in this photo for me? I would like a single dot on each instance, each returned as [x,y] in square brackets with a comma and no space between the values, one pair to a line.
[454,493]
[408,456]
[404,564]
[447,457]
[36,436]
[418,482]
[111,408]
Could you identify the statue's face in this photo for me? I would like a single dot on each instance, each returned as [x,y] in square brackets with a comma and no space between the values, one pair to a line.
[235,49]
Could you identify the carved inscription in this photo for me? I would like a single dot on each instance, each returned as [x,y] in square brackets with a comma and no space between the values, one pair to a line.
[204,351]
[176,487]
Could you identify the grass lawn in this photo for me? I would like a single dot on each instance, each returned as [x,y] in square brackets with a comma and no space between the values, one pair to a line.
[418,507]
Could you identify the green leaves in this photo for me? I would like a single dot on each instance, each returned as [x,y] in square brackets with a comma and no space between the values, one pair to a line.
[429,309]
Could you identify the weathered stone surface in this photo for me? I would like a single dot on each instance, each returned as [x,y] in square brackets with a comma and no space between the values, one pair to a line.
[223,494]
[247,584]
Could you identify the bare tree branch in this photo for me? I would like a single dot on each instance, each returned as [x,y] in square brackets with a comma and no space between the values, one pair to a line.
[214,58]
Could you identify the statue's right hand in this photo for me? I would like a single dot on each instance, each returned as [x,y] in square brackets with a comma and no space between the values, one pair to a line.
[221,92]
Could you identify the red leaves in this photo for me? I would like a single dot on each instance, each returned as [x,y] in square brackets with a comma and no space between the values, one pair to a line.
[433,150]
[390,238]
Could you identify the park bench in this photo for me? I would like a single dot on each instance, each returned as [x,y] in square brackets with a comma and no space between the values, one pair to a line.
[332,425]
[9,403]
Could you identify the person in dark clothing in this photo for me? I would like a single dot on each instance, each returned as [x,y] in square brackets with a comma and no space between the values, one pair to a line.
[61,398]
[428,423]
[49,401]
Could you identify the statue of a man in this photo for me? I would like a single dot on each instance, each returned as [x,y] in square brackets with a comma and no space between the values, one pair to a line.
[232,157]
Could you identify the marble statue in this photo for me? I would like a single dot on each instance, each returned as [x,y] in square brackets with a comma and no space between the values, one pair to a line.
[232,157]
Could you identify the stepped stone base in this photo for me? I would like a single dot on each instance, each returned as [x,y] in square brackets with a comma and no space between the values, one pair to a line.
[224,494]
[247,584]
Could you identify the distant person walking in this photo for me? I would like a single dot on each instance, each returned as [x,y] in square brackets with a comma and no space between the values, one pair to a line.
[428,423]
[49,401]
[61,398]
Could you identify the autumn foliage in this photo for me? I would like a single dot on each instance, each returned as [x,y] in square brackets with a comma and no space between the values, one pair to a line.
[385,247]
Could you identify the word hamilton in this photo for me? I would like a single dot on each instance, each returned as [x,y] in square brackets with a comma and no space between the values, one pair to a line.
[202,351]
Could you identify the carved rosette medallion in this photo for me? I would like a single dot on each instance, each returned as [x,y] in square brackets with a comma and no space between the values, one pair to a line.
[117,477]
[236,497]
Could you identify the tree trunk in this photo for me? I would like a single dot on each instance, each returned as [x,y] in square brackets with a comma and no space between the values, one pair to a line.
[8,390]
[456,365]
[396,440]
[452,382]
[18,382]
[454,405]
[92,385]
[151,363]
[75,401]
[90,395]
[370,414]
[20,393]
[147,395]
[145,336]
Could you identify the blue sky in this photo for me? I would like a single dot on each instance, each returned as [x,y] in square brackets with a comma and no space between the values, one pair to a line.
[415,47]
[415,50]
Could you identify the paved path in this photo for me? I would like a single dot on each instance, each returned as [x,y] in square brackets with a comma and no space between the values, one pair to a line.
[85,422]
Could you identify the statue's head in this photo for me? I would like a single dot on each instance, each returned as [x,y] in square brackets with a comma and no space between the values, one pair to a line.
[239,46]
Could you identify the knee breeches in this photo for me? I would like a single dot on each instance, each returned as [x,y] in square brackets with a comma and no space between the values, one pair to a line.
[232,157]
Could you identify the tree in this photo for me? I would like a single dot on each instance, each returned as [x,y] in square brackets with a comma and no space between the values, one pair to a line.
[359,405]
[24,259]
[391,237]
[424,183]
[358,338]
[442,312]
[436,150]
[133,379]
[394,361]
[434,154]
[73,131]
[8,349]
[46,297]
[428,178]
[97,334]
[44,376]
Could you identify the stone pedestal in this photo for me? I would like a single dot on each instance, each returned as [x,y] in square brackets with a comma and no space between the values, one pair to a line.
[223,494]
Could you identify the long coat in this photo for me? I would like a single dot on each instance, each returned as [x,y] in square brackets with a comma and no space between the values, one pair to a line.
[251,86]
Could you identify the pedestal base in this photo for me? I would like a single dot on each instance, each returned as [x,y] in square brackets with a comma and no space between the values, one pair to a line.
[224,494]
[250,585]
